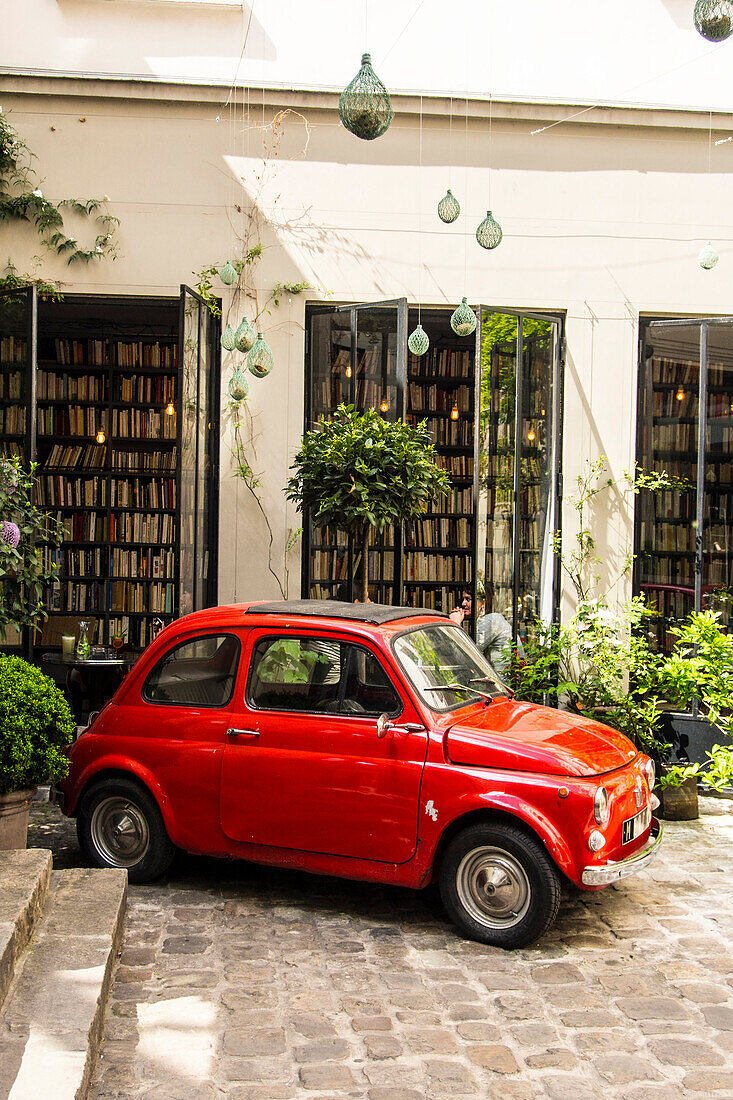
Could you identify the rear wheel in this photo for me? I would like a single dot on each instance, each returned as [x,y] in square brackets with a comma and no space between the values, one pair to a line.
[499,886]
[119,825]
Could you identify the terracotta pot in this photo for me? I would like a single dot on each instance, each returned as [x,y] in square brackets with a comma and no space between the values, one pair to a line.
[680,803]
[14,811]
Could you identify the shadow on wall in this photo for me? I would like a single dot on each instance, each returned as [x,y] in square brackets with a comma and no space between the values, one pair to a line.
[164,32]
[680,11]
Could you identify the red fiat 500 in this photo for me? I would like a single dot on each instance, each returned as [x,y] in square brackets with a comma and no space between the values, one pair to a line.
[363,741]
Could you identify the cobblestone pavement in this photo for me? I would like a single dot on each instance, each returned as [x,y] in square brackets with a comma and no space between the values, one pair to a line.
[243,982]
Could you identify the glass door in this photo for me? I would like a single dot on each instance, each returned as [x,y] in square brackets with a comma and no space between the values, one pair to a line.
[684,535]
[517,473]
[198,454]
[354,355]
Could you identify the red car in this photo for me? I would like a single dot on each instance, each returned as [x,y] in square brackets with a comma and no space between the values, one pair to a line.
[363,741]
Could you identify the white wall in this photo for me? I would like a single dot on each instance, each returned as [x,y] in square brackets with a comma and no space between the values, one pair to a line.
[601,221]
[630,51]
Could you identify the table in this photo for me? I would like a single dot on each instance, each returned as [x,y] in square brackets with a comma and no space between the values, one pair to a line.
[95,679]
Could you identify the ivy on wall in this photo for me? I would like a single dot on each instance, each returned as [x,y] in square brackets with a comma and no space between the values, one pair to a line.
[22,200]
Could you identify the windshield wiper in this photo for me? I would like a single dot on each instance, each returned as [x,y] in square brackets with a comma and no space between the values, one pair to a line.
[462,687]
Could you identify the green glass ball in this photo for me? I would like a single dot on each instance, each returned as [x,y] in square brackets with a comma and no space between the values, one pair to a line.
[238,386]
[463,320]
[364,106]
[244,336]
[489,232]
[714,19]
[229,338]
[260,361]
[228,274]
[448,208]
[418,341]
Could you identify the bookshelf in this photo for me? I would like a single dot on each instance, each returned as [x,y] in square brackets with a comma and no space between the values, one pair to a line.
[684,535]
[118,407]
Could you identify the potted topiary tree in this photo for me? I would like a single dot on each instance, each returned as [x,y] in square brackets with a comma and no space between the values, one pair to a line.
[36,727]
[361,473]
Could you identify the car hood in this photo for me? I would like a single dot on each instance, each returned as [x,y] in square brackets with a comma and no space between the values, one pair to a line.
[527,738]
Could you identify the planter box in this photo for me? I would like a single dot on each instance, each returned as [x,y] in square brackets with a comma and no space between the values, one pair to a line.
[14,811]
[689,737]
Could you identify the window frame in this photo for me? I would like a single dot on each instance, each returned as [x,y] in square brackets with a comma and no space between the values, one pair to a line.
[179,645]
[431,706]
[338,639]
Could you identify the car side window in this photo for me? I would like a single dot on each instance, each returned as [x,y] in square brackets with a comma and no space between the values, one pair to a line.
[319,675]
[198,673]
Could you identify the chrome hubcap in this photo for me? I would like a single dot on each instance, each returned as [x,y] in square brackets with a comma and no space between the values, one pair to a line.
[493,887]
[119,832]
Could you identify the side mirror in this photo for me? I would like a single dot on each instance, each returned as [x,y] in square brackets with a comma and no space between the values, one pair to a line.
[383,724]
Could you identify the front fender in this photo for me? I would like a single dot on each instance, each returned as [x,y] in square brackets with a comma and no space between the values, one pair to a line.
[538,822]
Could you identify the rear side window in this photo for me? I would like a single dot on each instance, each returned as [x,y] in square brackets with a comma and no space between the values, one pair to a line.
[197,673]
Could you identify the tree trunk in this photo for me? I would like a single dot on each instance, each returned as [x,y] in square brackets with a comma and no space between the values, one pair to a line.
[365,539]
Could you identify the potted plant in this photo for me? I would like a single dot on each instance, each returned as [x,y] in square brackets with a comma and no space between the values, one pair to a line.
[361,473]
[36,727]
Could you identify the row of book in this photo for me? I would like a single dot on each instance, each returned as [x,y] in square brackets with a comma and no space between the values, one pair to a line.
[447,433]
[143,424]
[52,386]
[446,599]
[660,570]
[12,419]
[9,449]
[156,564]
[154,528]
[147,354]
[144,492]
[153,461]
[667,536]
[136,596]
[136,632]
[76,492]
[434,567]
[11,385]
[146,390]
[676,437]
[71,420]
[442,363]
[437,533]
[77,563]
[84,526]
[668,403]
[81,353]
[91,456]
[75,596]
[457,465]
[672,371]
[13,349]
[435,398]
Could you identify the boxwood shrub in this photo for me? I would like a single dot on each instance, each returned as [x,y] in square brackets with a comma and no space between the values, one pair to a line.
[36,726]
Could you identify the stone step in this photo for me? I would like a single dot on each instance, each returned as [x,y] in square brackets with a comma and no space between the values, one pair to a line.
[52,1020]
[24,878]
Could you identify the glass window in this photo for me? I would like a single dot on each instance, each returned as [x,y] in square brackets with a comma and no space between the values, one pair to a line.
[197,673]
[319,675]
[446,667]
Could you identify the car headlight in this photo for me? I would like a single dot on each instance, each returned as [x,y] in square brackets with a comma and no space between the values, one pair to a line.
[650,772]
[600,806]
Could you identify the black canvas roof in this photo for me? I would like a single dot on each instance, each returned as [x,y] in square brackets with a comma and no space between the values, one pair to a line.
[376,613]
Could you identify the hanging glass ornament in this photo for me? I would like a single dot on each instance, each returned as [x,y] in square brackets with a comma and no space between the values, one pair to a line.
[489,233]
[228,274]
[9,533]
[229,338]
[463,320]
[244,336]
[714,19]
[448,208]
[259,360]
[238,386]
[707,257]
[418,341]
[364,106]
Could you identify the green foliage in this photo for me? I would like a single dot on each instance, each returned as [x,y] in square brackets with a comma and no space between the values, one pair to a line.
[23,575]
[204,287]
[359,472]
[21,201]
[287,288]
[288,662]
[13,280]
[36,726]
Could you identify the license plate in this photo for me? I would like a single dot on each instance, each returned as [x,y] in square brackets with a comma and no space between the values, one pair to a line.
[635,826]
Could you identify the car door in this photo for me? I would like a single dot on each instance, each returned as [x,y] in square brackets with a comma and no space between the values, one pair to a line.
[306,769]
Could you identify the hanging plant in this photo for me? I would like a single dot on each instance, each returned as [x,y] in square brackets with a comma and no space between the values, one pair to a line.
[364,107]
[228,274]
[244,336]
[238,386]
[260,361]
[229,338]
[448,208]
[489,232]
[714,19]
[463,320]
[707,257]
[418,341]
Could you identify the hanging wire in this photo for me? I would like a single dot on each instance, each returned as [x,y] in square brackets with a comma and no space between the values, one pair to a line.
[419,222]
[399,36]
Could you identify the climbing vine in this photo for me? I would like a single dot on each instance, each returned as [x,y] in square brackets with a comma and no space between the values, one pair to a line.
[22,200]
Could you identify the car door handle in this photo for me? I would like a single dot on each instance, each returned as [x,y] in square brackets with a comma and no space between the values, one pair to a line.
[243,733]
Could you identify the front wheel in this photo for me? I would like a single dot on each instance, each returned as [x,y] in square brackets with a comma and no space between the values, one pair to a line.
[119,825]
[499,886]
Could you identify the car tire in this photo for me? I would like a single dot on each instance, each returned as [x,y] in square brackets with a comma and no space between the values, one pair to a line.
[119,825]
[498,885]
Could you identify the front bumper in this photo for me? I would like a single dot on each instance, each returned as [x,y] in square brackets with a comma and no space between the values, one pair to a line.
[604,873]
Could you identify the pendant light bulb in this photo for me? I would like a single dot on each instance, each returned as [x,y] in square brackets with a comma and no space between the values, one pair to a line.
[384,405]
[170,409]
[454,413]
[680,395]
[101,436]
[531,436]
[348,371]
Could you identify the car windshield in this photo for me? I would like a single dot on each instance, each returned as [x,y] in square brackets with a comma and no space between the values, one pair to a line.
[435,657]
